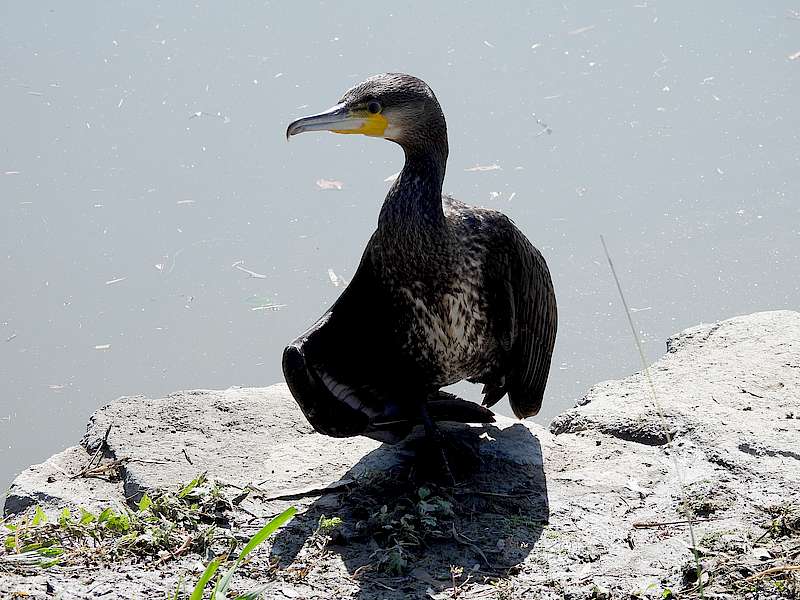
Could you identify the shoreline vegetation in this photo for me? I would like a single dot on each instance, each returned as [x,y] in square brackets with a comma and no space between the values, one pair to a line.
[587,509]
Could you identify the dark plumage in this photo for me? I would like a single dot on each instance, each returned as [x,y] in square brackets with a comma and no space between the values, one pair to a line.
[443,292]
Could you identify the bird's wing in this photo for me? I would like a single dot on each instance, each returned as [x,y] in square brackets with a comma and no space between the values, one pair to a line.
[322,365]
[347,371]
[524,305]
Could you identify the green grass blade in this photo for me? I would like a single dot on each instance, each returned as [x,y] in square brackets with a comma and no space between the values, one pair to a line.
[39,518]
[187,489]
[86,517]
[255,594]
[215,590]
[224,582]
[65,518]
[178,589]
[145,503]
[267,531]
[105,515]
[261,535]
[197,593]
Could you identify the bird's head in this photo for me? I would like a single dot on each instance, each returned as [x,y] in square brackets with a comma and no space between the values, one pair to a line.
[394,106]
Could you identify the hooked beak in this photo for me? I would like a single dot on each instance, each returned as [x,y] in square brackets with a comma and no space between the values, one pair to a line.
[340,119]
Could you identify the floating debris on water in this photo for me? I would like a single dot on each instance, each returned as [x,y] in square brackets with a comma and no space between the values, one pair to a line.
[102,347]
[482,168]
[238,266]
[202,113]
[117,280]
[271,307]
[335,279]
[11,337]
[545,127]
[580,30]
[329,184]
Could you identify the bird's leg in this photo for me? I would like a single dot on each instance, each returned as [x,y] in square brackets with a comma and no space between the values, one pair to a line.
[436,437]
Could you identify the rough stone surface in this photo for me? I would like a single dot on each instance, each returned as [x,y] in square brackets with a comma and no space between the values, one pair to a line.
[239,436]
[582,510]
[51,486]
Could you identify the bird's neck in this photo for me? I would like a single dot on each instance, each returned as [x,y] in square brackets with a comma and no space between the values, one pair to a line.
[413,206]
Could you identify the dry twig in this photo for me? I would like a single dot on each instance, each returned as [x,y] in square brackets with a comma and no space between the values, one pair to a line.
[645,525]
[773,571]
[90,465]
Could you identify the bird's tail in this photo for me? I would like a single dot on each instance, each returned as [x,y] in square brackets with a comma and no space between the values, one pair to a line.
[526,402]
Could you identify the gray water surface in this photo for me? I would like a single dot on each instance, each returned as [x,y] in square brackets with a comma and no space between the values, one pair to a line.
[144,172]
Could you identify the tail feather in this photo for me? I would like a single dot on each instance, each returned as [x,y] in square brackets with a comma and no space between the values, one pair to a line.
[526,402]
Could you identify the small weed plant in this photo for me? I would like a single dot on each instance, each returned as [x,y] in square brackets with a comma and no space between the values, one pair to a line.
[160,528]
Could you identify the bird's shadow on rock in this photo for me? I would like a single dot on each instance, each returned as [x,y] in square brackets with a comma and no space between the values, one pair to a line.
[401,534]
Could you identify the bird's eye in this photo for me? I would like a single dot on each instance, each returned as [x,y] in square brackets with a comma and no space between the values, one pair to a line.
[374,107]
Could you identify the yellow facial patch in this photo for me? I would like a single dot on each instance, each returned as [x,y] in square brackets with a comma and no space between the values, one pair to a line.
[372,125]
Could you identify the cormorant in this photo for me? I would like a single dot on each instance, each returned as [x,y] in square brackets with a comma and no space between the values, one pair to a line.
[444,292]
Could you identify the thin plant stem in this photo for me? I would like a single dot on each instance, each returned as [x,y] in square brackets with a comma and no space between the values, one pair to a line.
[673,453]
